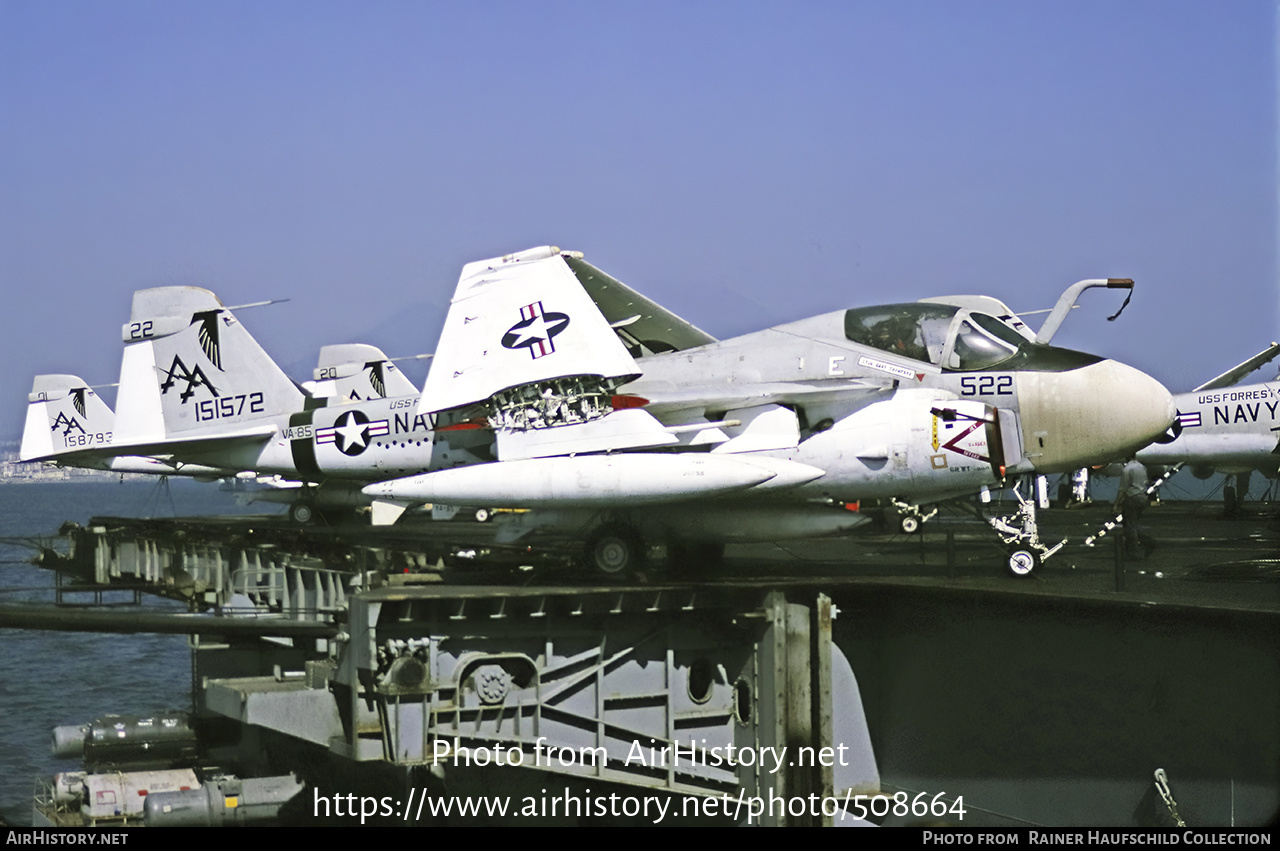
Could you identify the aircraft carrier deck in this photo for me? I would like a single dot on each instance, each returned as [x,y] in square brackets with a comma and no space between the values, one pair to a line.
[1203,558]
[1049,699]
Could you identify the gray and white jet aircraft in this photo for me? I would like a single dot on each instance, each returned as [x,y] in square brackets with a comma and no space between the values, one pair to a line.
[68,424]
[557,388]
[65,414]
[616,417]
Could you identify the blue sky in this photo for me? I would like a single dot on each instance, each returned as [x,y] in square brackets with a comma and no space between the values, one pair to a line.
[742,163]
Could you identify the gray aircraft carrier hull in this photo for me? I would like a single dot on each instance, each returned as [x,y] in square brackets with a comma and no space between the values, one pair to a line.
[1047,700]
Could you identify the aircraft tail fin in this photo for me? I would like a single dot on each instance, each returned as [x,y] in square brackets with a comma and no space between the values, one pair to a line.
[522,328]
[352,372]
[191,368]
[64,415]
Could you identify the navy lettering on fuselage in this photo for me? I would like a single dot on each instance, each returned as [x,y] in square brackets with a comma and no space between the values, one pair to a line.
[1245,413]
[420,421]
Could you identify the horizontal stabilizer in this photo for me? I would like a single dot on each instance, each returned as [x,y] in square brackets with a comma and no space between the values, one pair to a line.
[158,467]
[190,447]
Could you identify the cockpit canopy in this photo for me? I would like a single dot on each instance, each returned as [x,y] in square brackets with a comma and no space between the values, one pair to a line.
[946,336]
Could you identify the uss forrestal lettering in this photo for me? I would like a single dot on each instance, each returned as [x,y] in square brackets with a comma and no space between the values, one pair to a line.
[1236,396]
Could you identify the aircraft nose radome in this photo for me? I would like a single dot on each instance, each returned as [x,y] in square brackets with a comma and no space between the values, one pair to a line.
[1099,413]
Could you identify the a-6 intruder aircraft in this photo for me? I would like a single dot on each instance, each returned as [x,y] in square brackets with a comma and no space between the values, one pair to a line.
[65,414]
[197,389]
[69,425]
[611,415]
[757,438]
[1223,427]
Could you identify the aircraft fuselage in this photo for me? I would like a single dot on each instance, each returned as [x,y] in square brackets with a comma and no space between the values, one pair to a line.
[363,441]
[1229,429]
[1068,408]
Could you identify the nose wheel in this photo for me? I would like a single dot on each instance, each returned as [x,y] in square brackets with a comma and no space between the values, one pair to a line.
[1022,560]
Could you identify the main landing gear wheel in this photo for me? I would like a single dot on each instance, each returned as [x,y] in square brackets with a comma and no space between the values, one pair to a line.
[911,517]
[615,551]
[302,513]
[1022,561]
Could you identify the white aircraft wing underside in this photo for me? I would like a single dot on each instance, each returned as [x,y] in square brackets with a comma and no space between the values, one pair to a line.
[179,446]
[518,320]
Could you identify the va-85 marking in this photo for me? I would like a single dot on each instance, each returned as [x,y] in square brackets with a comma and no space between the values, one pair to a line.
[986,385]
[228,406]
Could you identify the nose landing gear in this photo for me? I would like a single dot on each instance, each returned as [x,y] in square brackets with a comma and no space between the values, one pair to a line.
[1019,532]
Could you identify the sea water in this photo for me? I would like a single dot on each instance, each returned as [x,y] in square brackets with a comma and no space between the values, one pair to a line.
[49,679]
